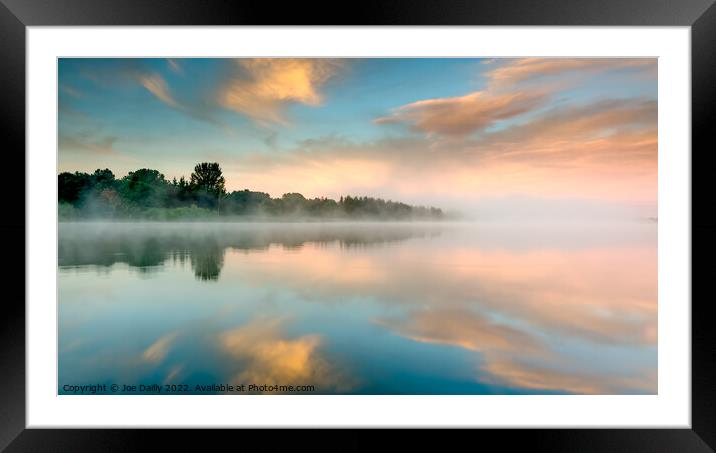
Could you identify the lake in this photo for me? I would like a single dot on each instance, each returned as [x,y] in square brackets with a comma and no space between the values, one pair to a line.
[358,308]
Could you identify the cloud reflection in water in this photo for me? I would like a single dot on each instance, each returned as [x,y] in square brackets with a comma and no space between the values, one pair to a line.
[534,309]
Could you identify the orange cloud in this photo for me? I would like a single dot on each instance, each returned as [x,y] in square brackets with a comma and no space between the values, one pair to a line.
[464,114]
[158,350]
[156,85]
[529,69]
[513,358]
[503,98]
[268,358]
[579,124]
[535,377]
[606,150]
[460,327]
[263,86]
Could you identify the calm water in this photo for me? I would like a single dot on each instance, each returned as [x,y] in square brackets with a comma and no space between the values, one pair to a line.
[368,308]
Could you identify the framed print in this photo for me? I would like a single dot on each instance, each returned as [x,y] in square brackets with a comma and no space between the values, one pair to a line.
[480,217]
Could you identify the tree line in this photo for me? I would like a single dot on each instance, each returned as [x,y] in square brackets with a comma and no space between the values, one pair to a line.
[147,194]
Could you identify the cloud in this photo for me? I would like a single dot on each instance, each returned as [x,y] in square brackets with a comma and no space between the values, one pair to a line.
[85,142]
[526,375]
[197,109]
[174,66]
[158,350]
[577,123]
[512,357]
[520,70]
[513,88]
[604,132]
[261,88]
[605,150]
[71,91]
[257,88]
[509,139]
[173,374]
[464,114]
[266,357]
[133,72]
[155,84]
[602,294]
[459,327]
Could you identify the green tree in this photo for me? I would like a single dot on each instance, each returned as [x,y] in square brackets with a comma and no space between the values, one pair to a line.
[103,179]
[146,193]
[145,187]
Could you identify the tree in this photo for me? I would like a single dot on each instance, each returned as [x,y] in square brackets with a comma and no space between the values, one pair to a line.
[145,187]
[207,176]
[207,183]
[103,179]
[145,192]
[71,186]
[292,202]
[183,192]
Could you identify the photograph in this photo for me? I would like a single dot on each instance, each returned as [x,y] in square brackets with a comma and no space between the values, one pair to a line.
[357,226]
[474,219]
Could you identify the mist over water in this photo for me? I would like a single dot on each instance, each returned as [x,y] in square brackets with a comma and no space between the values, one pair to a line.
[364,307]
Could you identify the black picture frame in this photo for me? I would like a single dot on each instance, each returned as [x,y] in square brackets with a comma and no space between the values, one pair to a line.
[16,15]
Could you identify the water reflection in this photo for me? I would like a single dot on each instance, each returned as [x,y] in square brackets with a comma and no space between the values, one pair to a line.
[264,355]
[207,259]
[145,246]
[367,308]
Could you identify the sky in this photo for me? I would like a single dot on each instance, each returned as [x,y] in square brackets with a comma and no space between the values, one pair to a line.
[490,138]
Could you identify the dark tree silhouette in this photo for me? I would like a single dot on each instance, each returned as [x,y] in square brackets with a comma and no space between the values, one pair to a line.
[208,177]
[207,183]
[71,186]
